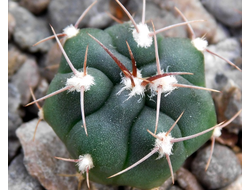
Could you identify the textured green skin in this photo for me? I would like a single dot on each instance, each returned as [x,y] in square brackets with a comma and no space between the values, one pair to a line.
[117,128]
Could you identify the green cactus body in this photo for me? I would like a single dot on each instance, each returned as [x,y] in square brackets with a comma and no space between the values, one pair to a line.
[117,125]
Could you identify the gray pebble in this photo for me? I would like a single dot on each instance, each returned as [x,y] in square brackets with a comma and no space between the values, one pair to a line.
[229,12]
[62,13]
[187,180]
[224,167]
[14,98]
[27,76]
[51,62]
[194,10]
[36,6]
[18,177]
[15,59]
[39,156]
[14,120]
[229,49]
[29,29]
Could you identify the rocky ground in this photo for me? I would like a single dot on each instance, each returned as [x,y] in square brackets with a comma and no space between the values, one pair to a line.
[30,164]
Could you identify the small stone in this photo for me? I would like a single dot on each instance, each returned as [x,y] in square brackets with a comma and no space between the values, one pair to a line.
[221,34]
[14,120]
[36,6]
[26,77]
[62,13]
[29,29]
[187,180]
[15,59]
[19,178]
[14,98]
[11,25]
[193,10]
[98,18]
[39,156]
[229,12]
[224,167]
[229,49]
[51,62]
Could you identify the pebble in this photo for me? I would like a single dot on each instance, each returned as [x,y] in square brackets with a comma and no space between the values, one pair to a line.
[229,49]
[224,167]
[193,10]
[62,13]
[14,98]
[19,178]
[14,120]
[36,7]
[51,62]
[15,59]
[39,156]
[187,180]
[11,25]
[27,76]
[229,12]
[98,18]
[29,29]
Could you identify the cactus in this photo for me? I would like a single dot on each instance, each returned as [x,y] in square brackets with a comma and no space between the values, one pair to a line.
[127,94]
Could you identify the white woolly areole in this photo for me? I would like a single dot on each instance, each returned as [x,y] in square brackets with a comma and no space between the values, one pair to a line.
[138,89]
[40,114]
[78,81]
[85,162]
[142,38]
[166,84]
[217,132]
[70,31]
[200,44]
[165,146]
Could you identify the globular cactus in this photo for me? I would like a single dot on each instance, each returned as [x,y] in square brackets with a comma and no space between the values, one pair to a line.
[126,94]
